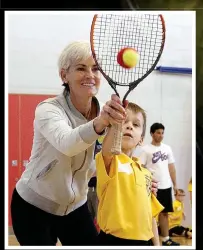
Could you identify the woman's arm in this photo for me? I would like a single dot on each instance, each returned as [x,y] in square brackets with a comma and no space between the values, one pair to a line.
[49,120]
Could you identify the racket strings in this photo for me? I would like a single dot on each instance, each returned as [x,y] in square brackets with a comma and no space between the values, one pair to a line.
[143,32]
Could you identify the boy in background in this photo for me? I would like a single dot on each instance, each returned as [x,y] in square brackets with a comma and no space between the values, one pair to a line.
[176,217]
[190,190]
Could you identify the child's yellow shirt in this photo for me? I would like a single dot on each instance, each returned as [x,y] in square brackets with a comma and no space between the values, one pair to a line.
[126,204]
[175,217]
[190,187]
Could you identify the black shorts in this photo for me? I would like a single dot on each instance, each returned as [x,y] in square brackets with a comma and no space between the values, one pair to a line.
[179,230]
[164,196]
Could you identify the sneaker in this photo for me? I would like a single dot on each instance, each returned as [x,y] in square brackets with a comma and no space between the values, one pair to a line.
[170,242]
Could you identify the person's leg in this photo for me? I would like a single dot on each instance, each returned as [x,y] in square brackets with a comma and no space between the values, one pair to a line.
[77,228]
[178,230]
[171,232]
[181,231]
[164,196]
[105,239]
[163,223]
[32,226]
[187,233]
[90,202]
[111,240]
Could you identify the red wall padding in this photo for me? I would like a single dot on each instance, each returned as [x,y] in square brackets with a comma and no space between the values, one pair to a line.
[20,135]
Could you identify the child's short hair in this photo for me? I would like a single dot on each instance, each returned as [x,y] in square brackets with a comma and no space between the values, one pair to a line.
[137,109]
[180,191]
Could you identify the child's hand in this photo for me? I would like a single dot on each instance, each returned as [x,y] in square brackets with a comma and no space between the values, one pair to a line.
[154,186]
[175,189]
[184,217]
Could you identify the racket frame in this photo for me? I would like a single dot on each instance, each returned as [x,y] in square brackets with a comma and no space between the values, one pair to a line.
[133,84]
[116,148]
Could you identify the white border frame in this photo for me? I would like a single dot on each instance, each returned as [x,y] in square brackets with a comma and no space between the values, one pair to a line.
[7,13]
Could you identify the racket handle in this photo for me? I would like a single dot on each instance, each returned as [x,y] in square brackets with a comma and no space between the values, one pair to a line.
[116,148]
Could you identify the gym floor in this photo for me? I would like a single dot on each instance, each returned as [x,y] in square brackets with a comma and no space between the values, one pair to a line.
[182,240]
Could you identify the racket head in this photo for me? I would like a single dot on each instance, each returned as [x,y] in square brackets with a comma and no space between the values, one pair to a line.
[112,32]
[109,34]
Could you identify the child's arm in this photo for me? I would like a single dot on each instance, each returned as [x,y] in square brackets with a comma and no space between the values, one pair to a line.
[106,148]
[108,140]
[184,216]
[155,239]
[172,217]
[191,197]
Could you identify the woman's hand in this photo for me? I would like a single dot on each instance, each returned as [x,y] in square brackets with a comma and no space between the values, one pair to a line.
[111,113]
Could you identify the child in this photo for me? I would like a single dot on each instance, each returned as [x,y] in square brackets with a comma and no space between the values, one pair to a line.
[190,190]
[126,204]
[175,218]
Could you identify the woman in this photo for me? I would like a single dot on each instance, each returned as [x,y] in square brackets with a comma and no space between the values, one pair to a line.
[50,199]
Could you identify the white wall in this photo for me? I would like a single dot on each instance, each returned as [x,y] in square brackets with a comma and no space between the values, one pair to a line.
[35,40]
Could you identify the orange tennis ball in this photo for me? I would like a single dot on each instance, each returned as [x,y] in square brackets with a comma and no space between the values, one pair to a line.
[128,58]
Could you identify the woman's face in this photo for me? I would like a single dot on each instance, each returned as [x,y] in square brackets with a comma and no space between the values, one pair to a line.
[83,78]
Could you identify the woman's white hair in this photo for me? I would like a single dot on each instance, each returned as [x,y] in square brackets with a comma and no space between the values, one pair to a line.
[73,53]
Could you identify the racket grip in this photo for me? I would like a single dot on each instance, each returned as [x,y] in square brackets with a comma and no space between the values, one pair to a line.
[116,148]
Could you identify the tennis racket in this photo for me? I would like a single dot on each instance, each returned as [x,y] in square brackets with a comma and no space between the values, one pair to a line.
[112,32]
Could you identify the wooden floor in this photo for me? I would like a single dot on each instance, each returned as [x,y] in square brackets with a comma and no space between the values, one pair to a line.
[182,240]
